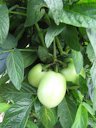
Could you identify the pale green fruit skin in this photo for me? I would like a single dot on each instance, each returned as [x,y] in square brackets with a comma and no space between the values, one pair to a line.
[35,75]
[71,75]
[52,89]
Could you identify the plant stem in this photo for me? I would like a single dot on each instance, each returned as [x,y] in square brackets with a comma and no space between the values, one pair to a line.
[17,13]
[59,46]
[40,34]
[54,51]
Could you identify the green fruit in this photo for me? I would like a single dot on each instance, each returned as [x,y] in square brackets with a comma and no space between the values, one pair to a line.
[35,75]
[51,90]
[70,73]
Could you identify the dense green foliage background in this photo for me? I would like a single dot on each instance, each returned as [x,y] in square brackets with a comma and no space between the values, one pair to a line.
[48,32]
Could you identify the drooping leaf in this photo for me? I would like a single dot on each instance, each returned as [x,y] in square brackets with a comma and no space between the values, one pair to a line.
[78,60]
[71,37]
[4,22]
[90,53]
[10,42]
[81,119]
[35,11]
[52,31]
[15,68]
[30,58]
[9,93]
[48,117]
[56,7]
[17,115]
[92,37]
[66,112]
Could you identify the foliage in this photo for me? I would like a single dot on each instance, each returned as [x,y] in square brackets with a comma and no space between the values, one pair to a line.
[49,32]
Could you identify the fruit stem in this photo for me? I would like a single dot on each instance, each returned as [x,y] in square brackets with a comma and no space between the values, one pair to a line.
[40,34]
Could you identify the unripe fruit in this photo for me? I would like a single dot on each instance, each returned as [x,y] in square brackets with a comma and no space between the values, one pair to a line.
[35,75]
[51,90]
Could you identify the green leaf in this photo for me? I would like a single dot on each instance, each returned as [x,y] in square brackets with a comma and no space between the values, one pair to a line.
[94,98]
[87,1]
[93,73]
[71,37]
[92,37]
[30,124]
[48,117]
[78,60]
[56,7]
[9,93]
[88,108]
[10,42]
[52,31]
[35,11]
[30,58]
[80,15]
[81,119]
[90,53]
[15,68]
[4,107]
[4,23]
[17,115]
[66,112]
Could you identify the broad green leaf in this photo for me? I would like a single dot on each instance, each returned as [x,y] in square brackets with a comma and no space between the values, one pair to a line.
[92,37]
[15,68]
[17,115]
[10,42]
[34,11]
[48,117]
[66,112]
[71,37]
[30,58]
[52,31]
[56,8]
[78,60]
[4,23]
[88,108]
[90,53]
[80,15]
[81,119]
[4,107]
[93,73]
[31,124]
[9,93]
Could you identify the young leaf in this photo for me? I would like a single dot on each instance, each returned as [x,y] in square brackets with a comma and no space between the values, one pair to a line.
[48,117]
[71,37]
[52,31]
[15,68]
[92,37]
[78,60]
[34,11]
[66,112]
[4,23]
[94,98]
[17,115]
[81,119]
